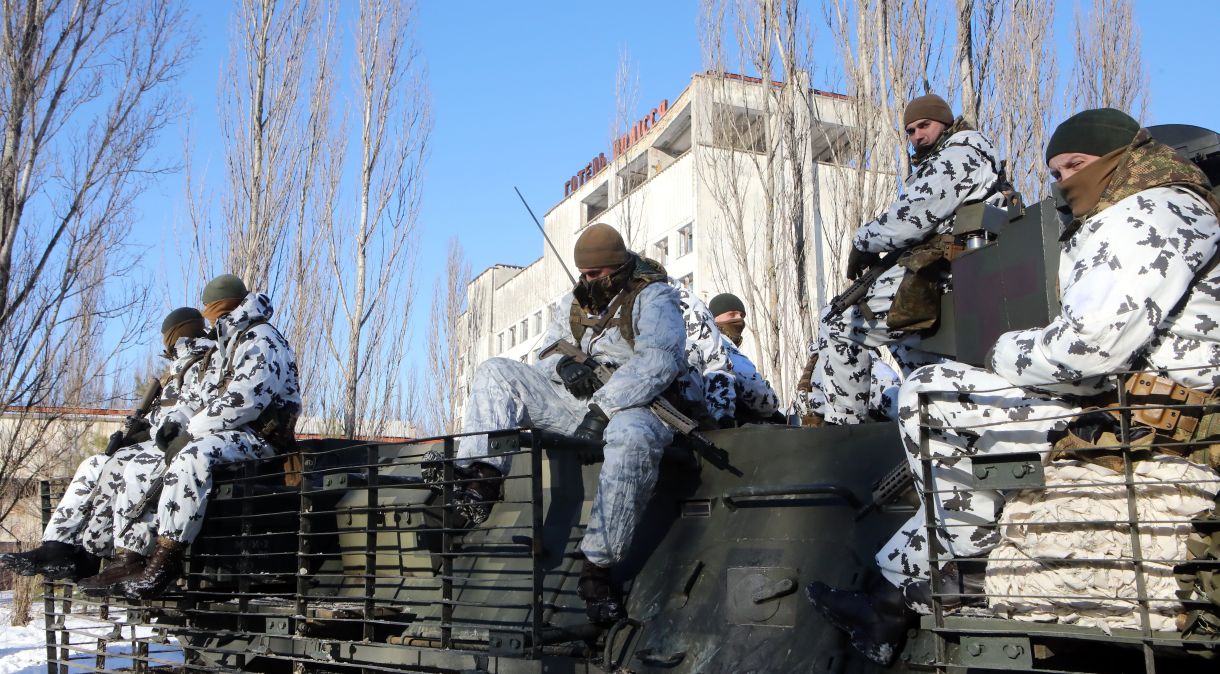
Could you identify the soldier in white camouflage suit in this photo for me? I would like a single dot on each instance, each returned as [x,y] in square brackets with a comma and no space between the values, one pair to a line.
[622,313]
[1138,290]
[952,165]
[710,381]
[252,397]
[81,529]
[756,400]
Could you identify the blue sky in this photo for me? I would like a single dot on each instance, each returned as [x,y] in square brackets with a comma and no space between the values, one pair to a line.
[523,94]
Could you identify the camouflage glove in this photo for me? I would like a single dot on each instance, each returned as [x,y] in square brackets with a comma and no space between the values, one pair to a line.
[579,378]
[858,262]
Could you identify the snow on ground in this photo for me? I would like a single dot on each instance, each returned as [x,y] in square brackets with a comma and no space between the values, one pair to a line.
[23,649]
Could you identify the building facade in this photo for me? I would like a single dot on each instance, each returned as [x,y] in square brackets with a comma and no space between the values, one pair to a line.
[697,184]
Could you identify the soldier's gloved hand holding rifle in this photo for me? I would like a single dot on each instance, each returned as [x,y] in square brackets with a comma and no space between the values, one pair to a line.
[593,426]
[136,422]
[858,262]
[171,438]
[578,377]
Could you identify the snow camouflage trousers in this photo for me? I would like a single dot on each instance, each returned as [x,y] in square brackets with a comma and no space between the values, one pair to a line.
[188,480]
[970,412]
[842,379]
[86,514]
[509,394]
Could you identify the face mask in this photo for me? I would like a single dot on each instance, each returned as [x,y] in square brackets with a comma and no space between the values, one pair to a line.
[595,296]
[733,329]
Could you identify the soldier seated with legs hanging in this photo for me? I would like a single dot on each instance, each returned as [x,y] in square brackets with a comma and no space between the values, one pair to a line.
[952,165]
[81,530]
[623,314]
[253,402]
[756,400]
[1138,291]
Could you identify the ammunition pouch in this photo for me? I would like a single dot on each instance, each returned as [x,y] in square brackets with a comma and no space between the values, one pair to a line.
[916,304]
[1165,418]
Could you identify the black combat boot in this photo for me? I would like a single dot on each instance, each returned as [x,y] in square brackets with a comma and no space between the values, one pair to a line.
[54,560]
[602,604]
[875,620]
[472,500]
[126,564]
[162,569]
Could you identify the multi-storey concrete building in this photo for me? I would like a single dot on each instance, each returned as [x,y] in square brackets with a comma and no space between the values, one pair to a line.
[698,184]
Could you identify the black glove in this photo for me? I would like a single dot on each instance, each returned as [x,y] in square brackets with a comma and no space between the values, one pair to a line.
[593,426]
[174,446]
[579,378]
[115,443]
[166,434]
[858,262]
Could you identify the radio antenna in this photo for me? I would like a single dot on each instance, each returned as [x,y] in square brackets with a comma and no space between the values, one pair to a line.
[548,239]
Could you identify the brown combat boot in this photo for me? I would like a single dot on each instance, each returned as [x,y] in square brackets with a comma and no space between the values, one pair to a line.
[162,569]
[813,420]
[603,605]
[126,563]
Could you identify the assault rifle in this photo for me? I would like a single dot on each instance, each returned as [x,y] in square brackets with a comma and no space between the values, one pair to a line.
[661,407]
[857,290]
[135,422]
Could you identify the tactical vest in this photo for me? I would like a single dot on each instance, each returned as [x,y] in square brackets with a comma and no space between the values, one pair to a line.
[645,274]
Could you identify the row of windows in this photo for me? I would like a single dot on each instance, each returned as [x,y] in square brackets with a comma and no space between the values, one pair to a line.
[517,334]
[686,244]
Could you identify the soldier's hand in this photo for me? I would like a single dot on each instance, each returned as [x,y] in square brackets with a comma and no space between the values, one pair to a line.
[180,440]
[166,434]
[858,262]
[593,426]
[115,443]
[578,378]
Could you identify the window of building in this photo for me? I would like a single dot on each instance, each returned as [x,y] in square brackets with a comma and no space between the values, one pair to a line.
[525,329]
[739,128]
[500,343]
[596,203]
[634,174]
[538,323]
[686,239]
[512,337]
[688,282]
[660,250]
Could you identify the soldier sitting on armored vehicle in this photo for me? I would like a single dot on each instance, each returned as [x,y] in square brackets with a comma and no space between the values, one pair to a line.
[81,529]
[255,399]
[952,165]
[756,400]
[1138,290]
[709,389]
[623,313]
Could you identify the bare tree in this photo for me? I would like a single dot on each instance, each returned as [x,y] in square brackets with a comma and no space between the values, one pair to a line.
[445,342]
[85,95]
[373,259]
[1109,70]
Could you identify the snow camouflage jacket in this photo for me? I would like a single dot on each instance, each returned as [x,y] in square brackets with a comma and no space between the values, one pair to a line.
[643,373]
[258,363]
[964,169]
[753,392]
[188,367]
[1120,273]
[710,379]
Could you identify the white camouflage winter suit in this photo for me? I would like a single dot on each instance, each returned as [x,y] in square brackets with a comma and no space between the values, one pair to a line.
[963,170]
[754,393]
[263,374]
[1119,274]
[508,394]
[710,378]
[86,513]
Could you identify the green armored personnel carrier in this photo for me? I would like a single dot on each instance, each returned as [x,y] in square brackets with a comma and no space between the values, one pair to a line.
[351,562]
